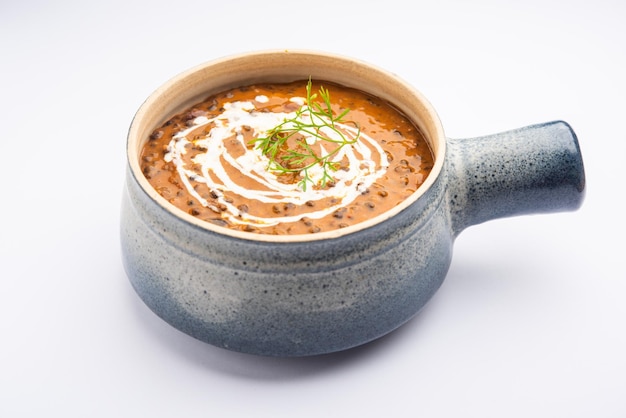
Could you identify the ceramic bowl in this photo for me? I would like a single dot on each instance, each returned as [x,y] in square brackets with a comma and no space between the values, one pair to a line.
[311,294]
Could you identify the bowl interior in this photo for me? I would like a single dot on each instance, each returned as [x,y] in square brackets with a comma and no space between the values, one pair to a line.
[197,83]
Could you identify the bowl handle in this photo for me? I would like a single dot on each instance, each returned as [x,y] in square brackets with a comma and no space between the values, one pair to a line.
[535,169]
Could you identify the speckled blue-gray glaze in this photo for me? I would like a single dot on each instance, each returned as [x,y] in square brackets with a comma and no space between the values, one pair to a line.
[307,296]
[535,169]
[289,299]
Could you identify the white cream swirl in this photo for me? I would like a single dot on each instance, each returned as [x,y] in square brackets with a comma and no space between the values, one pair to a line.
[367,162]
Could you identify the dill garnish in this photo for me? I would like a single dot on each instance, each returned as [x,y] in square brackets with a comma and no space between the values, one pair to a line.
[295,146]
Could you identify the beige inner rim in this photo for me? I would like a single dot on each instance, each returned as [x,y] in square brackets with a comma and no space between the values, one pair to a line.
[197,83]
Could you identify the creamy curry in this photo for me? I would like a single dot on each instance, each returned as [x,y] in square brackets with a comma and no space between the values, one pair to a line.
[208,160]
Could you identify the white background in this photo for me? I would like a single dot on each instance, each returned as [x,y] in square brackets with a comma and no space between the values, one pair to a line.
[530,322]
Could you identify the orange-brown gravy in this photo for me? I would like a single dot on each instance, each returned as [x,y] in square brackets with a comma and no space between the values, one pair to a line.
[204,161]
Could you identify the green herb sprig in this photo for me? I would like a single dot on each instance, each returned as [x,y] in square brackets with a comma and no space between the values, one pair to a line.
[301,158]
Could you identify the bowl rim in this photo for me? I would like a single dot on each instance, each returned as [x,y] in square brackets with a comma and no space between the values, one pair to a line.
[158,103]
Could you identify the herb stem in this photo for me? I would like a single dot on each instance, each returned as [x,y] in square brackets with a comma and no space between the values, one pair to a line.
[309,121]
